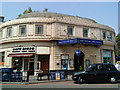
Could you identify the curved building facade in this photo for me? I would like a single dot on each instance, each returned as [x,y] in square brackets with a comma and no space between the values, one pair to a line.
[43,41]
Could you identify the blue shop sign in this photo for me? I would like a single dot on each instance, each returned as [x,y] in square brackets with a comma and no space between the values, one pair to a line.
[78,52]
[80,40]
[90,41]
[68,41]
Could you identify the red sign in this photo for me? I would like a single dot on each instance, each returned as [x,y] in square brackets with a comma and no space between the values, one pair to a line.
[21,55]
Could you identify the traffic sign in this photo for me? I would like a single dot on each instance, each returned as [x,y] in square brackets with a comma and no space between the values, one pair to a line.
[78,52]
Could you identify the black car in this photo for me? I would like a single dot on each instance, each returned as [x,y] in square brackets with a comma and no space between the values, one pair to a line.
[102,72]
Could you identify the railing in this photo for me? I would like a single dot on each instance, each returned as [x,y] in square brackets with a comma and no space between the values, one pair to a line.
[24,76]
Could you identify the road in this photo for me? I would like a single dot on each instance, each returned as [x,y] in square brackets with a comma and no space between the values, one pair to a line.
[61,85]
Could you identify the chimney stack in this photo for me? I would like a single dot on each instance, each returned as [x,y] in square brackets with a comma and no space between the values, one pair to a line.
[1,19]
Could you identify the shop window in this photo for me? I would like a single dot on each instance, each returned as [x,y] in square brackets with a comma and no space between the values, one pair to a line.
[85,32]
[39,29]
[107,56]
[71,63]
[64,61]
[104,34]
[22,29]
[17,63]
[9,31]
[64,64]
[70,30]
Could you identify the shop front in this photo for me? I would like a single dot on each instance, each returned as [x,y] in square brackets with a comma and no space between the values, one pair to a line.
[30,59]
[79,53]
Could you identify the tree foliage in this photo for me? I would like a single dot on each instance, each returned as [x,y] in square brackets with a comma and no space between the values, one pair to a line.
[45,10]
[29,10]
[118,45]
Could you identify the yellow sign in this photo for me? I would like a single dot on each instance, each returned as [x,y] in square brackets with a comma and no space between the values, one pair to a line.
[57,76]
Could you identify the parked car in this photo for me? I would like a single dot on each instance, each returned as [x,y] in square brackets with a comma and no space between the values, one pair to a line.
[102,72]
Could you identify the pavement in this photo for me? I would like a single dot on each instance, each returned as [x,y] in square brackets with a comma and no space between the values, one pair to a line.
[33,80]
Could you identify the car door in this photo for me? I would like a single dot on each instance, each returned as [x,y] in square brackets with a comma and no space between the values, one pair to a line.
[100,73]
[90,75]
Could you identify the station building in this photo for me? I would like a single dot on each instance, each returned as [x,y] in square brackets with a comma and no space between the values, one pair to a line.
[44,41]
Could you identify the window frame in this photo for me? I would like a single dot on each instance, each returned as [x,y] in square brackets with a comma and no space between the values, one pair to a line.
[111,36]
[9,31]
[104,35]
[20,30]
[70,30]
[85,34]
[39,32]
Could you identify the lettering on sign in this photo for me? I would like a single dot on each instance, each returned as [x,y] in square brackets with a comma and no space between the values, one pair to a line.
[23,50]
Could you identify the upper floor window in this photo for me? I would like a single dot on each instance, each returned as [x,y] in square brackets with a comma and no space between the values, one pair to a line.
[104,34]
[1,33]
[22,29]
[111,36]
[70,30]
[9,31]
[39,29]
[85,32]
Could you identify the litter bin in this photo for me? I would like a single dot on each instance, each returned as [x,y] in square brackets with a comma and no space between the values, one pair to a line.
[6,74]
[52,75]
[62,75]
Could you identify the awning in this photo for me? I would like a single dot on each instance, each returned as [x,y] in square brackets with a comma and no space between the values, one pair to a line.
[21,55]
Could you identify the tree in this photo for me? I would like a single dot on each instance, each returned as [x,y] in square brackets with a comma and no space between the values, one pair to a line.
[29,10]
[26,11]
[45,10]
[118,45]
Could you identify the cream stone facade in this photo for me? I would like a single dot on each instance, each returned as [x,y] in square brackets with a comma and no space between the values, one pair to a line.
[42,32]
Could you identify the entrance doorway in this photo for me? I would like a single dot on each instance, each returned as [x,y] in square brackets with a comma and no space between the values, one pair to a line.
[28,65]
[79,62]
[31,68]
[44,60]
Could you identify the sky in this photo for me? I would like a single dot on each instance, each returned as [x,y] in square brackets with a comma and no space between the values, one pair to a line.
[105,13]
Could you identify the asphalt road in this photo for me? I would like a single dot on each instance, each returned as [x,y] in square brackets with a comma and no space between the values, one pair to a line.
[61,85]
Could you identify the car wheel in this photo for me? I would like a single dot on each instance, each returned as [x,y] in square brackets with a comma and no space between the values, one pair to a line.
[113,80]
[80,80]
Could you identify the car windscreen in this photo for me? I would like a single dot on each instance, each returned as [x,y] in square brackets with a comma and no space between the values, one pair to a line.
[91,68]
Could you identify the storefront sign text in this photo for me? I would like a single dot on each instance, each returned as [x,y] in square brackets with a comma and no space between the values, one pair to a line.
[80,40]
[23,50]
